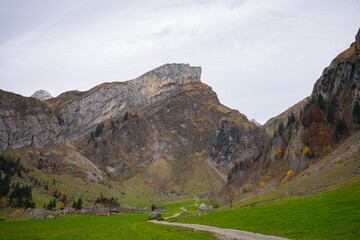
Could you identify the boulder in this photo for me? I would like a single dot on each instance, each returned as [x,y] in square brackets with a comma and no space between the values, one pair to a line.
[154,215]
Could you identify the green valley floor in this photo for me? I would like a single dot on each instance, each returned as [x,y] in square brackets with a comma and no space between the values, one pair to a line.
[333,214]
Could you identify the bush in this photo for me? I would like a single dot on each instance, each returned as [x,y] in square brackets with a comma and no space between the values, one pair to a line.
[289,175]
[278,153]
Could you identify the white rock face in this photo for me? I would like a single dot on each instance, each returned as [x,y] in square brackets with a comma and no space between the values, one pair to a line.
[25,123]
[42,95]
[114,99]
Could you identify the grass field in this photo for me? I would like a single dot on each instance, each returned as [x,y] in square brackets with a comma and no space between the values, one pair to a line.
[333,214]
[130,226]
[172,208]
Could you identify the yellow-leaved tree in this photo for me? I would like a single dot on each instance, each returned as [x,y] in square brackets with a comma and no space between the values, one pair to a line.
[230,195]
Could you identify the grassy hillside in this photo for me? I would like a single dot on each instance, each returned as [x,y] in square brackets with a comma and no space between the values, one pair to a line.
[187,177]
[333,214]
[130,226]
[322,202]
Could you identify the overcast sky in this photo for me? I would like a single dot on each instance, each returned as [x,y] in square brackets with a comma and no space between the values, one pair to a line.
[261,57]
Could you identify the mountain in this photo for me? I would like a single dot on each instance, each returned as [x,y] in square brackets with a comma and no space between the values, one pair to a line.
[310,136]
[42,95]
[162,132]
[165,134]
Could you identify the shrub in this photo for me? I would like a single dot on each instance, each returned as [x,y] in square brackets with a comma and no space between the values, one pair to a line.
[289,175]
[60,205]
[305,151]
[278,153]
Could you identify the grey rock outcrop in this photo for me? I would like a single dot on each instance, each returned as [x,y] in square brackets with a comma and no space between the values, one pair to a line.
[84,111]
[26,122]
[357,37]
[154,215]
[42,95]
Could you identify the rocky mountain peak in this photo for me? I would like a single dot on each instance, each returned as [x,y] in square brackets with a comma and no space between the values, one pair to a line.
[357,37]
[175,73]
[42,95]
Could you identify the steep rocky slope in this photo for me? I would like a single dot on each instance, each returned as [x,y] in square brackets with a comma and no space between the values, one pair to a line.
[26,122]
[78,112]
[162,131]
[81,111]
[189,125]
[311,129]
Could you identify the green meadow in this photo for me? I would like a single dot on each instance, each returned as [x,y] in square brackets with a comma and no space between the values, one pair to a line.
[129,226]
[334,214]
[173,208]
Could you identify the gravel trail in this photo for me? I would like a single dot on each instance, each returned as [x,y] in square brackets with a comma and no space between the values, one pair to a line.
[223,233]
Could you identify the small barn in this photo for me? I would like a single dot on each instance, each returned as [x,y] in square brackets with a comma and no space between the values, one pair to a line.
[204,207]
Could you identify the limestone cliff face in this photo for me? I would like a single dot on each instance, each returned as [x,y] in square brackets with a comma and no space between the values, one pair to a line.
[81,112]
[26,122]
[74,113]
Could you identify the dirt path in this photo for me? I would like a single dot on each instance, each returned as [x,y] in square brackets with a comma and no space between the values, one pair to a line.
[223,233]
[177,214]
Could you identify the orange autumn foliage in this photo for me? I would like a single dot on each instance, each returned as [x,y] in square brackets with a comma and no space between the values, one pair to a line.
[289,175]
[60,205]
[290,172]
[278,153]
[305,151]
